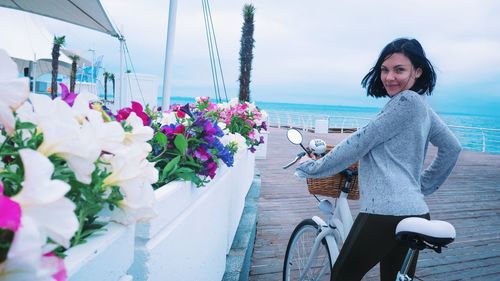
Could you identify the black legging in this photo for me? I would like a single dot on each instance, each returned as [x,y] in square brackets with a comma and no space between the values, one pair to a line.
[372,240]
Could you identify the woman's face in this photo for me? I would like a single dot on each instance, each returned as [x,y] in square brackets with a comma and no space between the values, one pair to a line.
[398,74]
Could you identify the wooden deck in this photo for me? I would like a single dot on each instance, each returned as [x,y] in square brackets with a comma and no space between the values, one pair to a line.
[470,200]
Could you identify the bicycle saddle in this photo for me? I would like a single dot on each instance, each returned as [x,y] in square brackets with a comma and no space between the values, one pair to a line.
[423,233]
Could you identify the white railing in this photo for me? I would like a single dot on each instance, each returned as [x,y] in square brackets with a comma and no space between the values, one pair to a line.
[472,138]
[478,139]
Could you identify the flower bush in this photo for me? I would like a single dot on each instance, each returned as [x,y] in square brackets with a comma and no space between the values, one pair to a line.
[63,162]
[191,141]
[244,119]
[187,146]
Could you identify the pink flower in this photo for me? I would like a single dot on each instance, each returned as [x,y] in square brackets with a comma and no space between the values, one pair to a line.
[10,212]
[251,135]
[137,109]
[250,122]
[180,114]
[61,274]
[202,154]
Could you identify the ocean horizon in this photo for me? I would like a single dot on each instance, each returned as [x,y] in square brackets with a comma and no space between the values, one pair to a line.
[451,118]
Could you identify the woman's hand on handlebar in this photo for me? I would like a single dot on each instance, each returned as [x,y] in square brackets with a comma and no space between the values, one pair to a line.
[307,157]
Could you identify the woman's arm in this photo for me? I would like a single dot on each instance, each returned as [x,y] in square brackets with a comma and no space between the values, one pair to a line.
[402,111]
[448,150]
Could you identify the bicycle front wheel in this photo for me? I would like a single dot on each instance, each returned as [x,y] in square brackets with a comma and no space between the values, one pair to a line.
[298,251]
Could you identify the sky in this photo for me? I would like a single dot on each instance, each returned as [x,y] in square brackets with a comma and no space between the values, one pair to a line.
[313,52]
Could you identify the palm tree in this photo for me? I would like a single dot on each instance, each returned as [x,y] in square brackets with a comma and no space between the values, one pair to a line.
[72,77]
[106,76]
[58,42]
[246,52]
[112,78]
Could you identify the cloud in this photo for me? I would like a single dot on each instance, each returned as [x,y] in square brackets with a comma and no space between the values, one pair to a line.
[320,45]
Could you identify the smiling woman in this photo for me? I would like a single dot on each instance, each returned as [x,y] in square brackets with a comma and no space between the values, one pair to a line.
[391,150]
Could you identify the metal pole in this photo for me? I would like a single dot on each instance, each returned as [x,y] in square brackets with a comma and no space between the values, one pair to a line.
[34,74]
[92,68]
[121,97]
[167,73]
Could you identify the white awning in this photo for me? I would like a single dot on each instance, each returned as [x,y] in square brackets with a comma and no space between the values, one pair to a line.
[27,41]
[86,13]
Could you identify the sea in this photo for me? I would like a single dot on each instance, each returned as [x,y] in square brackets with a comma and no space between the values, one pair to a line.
[475,131]
[451,118]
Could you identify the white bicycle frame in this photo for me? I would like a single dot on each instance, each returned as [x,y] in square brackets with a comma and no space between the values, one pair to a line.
[338,227]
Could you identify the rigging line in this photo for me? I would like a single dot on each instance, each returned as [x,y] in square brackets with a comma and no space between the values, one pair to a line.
[215,77]
[129,84]
[135,73]
[217,51]
[210,51]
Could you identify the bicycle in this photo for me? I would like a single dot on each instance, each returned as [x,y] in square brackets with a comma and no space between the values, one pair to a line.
[315,243]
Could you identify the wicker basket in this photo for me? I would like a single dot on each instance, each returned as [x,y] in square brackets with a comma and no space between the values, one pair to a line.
[331,186]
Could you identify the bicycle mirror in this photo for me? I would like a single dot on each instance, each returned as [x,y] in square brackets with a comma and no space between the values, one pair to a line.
[294,136]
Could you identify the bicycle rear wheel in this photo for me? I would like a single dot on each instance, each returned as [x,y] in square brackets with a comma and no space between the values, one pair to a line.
[298,251]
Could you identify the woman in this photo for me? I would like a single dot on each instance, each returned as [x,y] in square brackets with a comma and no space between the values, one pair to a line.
[391,150]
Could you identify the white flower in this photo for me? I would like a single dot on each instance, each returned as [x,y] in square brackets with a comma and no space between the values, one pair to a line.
[251,106]
[264,115]
[139,135]
[25,260]
[233,102]
[81,107]
[235,138]
[13,91]
[65,137]
[42,199]
[110,136]
[134,175]
[222,125]
[223,106]
[168,118]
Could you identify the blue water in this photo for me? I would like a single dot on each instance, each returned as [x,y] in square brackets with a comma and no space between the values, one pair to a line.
[471,139]
[455,119]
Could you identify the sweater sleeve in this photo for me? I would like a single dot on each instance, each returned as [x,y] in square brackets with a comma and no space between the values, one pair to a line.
[448,150]
[399,113]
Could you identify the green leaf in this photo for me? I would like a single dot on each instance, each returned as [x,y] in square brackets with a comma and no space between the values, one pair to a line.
[170,167]
[25,125]
[181,143]
[161,139]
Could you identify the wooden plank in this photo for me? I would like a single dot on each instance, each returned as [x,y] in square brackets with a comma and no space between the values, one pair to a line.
[470,199]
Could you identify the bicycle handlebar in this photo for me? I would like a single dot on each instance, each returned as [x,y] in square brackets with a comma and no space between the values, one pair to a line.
[297,158]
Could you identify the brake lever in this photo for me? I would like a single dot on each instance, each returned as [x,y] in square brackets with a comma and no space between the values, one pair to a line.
[297,158]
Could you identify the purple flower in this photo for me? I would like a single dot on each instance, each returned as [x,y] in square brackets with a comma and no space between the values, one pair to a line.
[264,126]
[66,95]
[202,154]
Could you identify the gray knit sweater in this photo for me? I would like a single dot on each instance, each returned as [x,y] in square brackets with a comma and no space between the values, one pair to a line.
[391,151]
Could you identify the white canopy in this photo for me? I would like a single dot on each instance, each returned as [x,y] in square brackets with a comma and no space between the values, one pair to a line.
[86,13]
[26,42]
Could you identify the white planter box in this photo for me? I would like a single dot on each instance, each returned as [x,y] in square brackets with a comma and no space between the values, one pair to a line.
[106,255]
[240,179]
[261,152]
[189,238]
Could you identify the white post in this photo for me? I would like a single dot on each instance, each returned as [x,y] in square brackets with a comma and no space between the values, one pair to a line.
[167,75]
[93,63]
[34,74]
[121,98]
